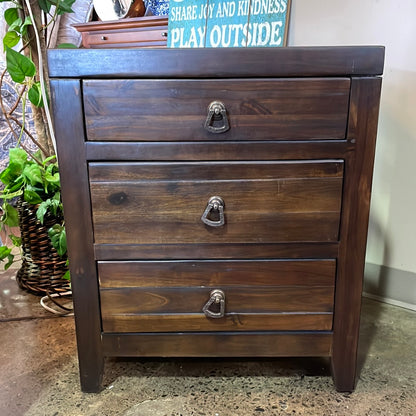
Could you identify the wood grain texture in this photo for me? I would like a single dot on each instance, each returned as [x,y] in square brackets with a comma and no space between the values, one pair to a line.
[172,110]
[119,251]
[180,273]
[145,39]
[271,203]
[260,295]
[231,322]
[217,63]
[365,95]
[224,344]
[127,172]
[249,299]
[75,193]
[206,151]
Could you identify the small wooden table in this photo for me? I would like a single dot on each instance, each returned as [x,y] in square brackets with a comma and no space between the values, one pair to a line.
[149,31]
[217,200]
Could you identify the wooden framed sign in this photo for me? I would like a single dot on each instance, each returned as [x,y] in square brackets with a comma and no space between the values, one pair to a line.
[228,23]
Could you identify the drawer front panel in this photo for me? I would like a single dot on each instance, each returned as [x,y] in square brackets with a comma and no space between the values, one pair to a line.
[176,110]
[259,295]
[145,38]
[185,273]
[163,203]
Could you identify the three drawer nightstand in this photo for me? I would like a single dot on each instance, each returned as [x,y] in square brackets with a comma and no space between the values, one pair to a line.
[217,200]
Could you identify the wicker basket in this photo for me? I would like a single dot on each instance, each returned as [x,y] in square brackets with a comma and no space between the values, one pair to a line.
[42,267]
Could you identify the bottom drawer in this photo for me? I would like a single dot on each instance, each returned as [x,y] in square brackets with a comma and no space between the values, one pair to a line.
[261,295]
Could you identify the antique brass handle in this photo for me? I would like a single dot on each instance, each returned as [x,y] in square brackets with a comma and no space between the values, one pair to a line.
[217,119]
[214,212]
[215,307]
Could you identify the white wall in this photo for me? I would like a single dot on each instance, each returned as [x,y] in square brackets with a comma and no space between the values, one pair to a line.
[392,234]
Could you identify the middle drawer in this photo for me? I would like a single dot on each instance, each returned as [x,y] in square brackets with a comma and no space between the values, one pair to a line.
[254,202]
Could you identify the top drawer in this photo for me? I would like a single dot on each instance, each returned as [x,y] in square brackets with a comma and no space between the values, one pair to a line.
[256,109]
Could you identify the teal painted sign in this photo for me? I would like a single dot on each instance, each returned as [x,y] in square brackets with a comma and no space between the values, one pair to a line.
[228,23]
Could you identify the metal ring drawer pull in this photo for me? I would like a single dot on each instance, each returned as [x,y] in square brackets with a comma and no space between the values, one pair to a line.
[215,307]
[215,207]
[217,120]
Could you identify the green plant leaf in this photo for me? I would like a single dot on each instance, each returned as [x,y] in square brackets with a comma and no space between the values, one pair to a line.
[16,185]
[67,275]
[62,243]
[19,66]
[45,5]
[52,179]
[11,175]
[4,252]
[35,95]
[41,211]
[33,174]
[57,235]
[17,241]
[26,23]
[10,215]
[54,206]
[67,46]
[11,195]
[16,25]
[52,168]
[17,160]
[31,197]
[6,176]
[10,257]
[11,15]
[63,6]
[11,39]
[36,98]
[48,160]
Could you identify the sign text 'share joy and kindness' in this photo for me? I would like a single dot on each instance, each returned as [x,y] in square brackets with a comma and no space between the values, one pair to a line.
[227,23]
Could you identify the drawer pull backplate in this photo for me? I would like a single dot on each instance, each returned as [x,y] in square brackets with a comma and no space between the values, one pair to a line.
[215,307]
[214,212]
[217,120]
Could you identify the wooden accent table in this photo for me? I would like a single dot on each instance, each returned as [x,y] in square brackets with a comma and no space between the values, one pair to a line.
[143,32]
[217,200]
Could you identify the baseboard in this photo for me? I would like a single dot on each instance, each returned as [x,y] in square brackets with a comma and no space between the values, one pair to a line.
[389,285]
[390,301]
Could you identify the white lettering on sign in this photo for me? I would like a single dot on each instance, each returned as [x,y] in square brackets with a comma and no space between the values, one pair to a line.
[184,13]
[268,6]
[227,23]
[225,36]
[206,11]
[243,7]
[225,9]
[195,38]
[266,33]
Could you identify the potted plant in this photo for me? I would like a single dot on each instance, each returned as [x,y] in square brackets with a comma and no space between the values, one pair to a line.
[31,195]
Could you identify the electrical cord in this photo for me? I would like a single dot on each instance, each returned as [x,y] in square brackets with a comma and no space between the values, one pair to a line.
[51,297]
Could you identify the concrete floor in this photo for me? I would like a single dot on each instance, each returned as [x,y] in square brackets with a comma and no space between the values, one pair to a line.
[39,373]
